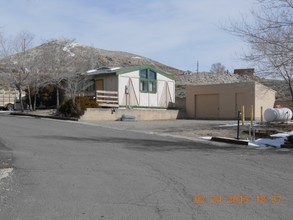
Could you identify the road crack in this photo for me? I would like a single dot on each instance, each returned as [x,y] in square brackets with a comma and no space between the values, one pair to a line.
[183,200]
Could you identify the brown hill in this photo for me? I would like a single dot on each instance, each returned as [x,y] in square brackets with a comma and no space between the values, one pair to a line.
[100,57]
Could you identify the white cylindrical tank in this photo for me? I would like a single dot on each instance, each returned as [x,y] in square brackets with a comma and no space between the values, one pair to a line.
[277,114]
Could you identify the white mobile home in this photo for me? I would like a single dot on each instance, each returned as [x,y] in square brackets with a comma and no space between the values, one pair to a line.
[134,87]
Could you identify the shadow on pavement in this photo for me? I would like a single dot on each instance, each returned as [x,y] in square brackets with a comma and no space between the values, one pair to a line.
[145,144]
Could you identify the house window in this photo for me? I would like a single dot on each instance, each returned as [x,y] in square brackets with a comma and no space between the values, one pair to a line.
[148,81]
[90,86]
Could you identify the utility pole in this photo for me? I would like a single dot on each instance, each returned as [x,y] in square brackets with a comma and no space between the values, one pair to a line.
[197,66]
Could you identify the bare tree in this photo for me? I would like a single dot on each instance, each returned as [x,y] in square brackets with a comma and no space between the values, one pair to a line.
[270,37]
[35,81]
[57,64]
[218,68]
[14,61]
[74,82]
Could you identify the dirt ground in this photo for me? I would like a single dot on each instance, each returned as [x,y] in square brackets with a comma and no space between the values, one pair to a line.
[187,128]
[200,128]
[221,132]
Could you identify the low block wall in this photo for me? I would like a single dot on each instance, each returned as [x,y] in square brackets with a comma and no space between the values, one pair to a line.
[103,114]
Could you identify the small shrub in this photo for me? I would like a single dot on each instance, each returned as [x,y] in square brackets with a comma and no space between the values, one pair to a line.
[86,102]
[71,109]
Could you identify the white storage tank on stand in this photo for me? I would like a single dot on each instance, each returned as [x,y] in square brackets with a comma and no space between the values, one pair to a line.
[277,114]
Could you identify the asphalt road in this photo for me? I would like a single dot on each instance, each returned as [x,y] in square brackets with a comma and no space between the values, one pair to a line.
[68,170]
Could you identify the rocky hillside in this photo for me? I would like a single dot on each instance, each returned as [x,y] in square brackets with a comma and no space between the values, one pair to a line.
[207,78]
[98,57]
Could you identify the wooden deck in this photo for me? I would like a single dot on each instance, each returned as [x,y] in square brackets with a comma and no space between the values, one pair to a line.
[107,98]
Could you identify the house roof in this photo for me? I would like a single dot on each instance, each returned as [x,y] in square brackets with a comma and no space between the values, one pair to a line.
[123,70]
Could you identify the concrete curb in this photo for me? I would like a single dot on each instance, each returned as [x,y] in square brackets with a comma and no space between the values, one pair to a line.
[44,116]
[229,140]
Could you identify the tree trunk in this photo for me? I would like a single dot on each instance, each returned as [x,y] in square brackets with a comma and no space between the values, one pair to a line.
[73,100]
[35,100]
[57,97]
[291,91]
[20,100]
[29,98]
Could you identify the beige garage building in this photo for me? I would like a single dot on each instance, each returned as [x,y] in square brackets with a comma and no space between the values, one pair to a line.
[223,101]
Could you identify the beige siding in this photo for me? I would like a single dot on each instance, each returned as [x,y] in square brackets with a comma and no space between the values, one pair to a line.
[244,99]
[230,98]
[109,83]
[263,97]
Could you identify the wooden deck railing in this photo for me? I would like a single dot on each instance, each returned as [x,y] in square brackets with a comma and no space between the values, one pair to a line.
[107,98]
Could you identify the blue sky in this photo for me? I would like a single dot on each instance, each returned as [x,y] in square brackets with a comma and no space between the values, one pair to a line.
[174,32]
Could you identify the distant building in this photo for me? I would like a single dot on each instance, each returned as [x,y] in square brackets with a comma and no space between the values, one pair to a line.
[223,101]
[244,72]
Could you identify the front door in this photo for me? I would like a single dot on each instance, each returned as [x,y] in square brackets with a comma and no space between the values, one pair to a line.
[99,84]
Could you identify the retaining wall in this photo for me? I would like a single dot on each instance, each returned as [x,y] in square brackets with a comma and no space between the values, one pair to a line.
[105,114]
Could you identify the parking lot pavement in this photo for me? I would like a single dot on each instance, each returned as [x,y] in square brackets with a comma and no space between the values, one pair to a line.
[171,126]
[5,156]
[69,170]
[187,129]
